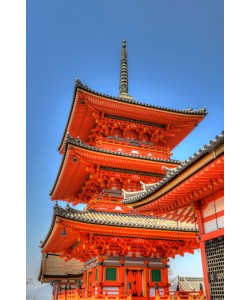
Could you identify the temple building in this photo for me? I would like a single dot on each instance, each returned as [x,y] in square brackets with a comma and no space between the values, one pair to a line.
[142,207]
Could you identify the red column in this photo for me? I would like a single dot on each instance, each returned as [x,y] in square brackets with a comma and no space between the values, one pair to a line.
[200,223]
[205,269]
[100,280]
[121,278]
[199,218]
[146,279]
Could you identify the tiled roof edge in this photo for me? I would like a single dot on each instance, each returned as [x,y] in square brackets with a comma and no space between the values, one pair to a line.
[171,173]
[79,84]
[79,216]
[188,111]
[78,142]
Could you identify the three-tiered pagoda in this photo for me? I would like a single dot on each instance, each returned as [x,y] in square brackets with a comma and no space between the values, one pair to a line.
[116,154]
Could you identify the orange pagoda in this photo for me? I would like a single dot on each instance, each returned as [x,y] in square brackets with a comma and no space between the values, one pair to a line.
[116,159]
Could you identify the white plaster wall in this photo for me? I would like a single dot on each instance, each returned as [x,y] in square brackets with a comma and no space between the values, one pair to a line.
[112,290]
[152,292]
[210,209]
[212,225]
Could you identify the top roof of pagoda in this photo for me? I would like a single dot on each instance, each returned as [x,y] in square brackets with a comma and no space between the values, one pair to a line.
[79,84]
[123,107]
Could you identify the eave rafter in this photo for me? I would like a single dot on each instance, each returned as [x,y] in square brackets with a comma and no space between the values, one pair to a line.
[203,183]
[115,161]
[81,165]
[84,241]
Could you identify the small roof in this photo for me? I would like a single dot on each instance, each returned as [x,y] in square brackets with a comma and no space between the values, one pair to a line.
[187,283]
[55,267]
[190,283]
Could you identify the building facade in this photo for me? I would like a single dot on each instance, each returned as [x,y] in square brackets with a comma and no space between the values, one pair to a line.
[141,206]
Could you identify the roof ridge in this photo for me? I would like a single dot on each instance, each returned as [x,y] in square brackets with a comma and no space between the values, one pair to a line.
[129,99]
[191,111]
[121,219]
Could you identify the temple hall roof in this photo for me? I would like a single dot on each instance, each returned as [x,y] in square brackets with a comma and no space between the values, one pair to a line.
[187,283]
[132,197]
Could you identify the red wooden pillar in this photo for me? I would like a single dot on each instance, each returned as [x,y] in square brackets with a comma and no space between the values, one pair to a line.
[199,218]
[146,279]
[165,275]
[205,269]
[121,278]
[100,280]
[200,223]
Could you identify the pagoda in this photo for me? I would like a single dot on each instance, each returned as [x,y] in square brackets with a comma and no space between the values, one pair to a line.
[114,150]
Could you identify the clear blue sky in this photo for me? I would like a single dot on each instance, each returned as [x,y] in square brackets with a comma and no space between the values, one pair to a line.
[175,59]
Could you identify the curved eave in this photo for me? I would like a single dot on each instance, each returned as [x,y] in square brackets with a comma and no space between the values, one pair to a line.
[191,170]
[84,98]
[119,220]
[56,243]
[51,229]
[75,172]
[199,112]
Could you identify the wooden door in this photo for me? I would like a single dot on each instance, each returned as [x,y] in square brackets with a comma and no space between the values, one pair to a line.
[134,280]
[89,282]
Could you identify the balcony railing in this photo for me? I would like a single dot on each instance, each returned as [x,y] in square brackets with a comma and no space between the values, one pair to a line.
[79,294]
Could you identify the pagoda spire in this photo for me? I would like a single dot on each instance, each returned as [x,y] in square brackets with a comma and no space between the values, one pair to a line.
[123,88]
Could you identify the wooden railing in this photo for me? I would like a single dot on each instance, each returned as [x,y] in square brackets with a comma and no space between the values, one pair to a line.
[79,294]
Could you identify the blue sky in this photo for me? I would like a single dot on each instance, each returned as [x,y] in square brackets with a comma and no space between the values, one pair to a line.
[175,59]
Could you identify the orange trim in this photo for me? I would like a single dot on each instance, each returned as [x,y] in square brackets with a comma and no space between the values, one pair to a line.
[184,185]
[211,235]
[214,216]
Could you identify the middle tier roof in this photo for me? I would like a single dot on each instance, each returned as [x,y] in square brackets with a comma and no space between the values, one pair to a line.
[81,162]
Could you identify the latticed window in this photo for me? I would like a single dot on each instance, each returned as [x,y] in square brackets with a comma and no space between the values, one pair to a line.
[156,275]
[111,274]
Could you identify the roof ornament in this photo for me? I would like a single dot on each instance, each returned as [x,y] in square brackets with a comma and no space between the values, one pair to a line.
[123,88]
[167,169]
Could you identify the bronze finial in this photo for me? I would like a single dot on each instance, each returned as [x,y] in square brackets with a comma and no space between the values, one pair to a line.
[123,88]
